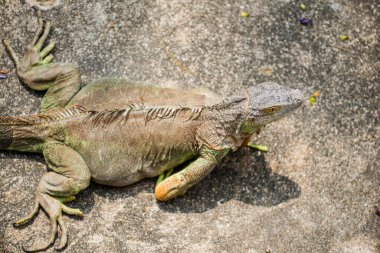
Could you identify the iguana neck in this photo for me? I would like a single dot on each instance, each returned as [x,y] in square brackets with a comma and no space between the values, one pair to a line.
[231,111]
[228,116]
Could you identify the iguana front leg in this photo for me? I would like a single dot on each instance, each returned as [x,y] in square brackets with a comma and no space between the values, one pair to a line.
[177,184]
[62,81]
[70,175]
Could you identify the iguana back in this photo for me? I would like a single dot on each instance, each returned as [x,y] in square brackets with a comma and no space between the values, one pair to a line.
[113,93]
[121,147]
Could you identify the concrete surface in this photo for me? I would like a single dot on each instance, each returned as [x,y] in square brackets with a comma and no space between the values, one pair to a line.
[316,189]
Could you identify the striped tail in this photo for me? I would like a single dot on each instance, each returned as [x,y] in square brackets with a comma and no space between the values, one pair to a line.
[12,128]
[23,133]
[6,132]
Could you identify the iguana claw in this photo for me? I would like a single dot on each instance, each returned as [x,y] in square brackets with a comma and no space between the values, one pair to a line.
[53,232]
[28,217]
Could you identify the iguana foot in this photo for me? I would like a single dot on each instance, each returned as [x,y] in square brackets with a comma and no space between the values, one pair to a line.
[28,217]
[36,70]
[54,208]
[35,54]
[69,176]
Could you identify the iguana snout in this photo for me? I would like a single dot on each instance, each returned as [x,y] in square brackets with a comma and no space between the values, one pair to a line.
[269,102]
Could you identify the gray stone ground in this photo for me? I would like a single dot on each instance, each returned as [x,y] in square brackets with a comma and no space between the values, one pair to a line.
[316,189]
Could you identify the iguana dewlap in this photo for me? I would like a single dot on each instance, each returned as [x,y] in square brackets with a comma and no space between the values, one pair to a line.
[117,132]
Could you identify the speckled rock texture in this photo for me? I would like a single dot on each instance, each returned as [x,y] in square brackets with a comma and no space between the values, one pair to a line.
[316,189]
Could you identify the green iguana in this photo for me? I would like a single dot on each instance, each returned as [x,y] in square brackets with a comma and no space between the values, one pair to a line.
[116,132]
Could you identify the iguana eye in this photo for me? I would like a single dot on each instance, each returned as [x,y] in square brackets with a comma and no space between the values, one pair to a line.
[271,110]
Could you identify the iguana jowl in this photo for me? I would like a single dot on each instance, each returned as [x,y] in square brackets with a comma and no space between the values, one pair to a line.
[117,132]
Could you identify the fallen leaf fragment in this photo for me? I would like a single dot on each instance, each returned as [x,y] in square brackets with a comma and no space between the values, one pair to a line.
[313,97]
[4,71]
[303,6]
[258,147]
[266,70]
[305,21]
[316,93]
[244,14]
[312,100]
[344,37]
[112,25]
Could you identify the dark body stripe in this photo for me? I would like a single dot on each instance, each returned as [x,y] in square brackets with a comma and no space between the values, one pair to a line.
[6,136]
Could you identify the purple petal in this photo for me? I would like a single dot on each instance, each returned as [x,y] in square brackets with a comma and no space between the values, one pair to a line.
[306,21]
[2,76]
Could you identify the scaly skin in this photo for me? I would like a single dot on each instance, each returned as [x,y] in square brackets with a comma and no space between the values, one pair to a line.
[117,132]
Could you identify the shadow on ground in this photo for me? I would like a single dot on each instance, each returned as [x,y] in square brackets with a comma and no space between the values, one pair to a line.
[243,176]
[253,182]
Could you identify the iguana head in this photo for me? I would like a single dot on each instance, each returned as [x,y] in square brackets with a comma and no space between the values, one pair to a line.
[268,102]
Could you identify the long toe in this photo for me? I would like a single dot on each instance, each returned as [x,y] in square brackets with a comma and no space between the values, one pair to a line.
[29,216]
[53,233]
[63,241]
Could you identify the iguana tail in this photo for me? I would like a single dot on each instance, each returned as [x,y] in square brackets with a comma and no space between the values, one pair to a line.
[6,133]
[18,133]
[27,133]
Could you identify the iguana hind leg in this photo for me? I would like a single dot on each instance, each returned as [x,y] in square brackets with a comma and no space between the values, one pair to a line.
[62,81]
[69,176]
